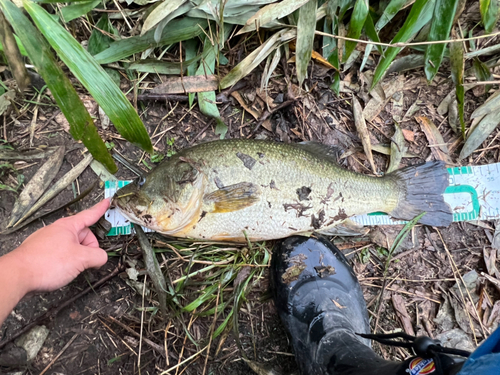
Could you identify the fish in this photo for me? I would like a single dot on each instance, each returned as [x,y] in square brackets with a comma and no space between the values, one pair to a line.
[252,190]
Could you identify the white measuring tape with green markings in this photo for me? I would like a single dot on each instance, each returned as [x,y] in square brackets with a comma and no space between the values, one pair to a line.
[473,194]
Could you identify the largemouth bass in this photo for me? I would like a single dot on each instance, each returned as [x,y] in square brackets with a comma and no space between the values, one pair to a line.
[237,189]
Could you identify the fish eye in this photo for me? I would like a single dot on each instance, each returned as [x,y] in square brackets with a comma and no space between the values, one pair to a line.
[140,181]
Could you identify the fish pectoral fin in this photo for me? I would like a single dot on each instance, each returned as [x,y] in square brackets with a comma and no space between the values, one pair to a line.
[346,227]
[233,197]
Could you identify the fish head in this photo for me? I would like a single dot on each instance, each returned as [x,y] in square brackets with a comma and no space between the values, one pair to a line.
[165,206]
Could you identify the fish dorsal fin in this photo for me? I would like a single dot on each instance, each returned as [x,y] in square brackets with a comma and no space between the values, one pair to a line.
[232,198]
[330,153]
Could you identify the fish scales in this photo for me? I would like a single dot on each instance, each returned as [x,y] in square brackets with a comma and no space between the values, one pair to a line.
[259,189]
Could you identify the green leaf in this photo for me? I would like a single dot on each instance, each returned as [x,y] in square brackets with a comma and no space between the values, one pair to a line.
[114,103]
[420,14]
[98,41]
[444,13]
[257,56]
[19,45]
[305,38]
[81,124]
[159,13]
[191,47]
[174,32]
[73,11]
[389,12]
[358,19]
[482,73]
[207,100]
[480,133]
[184,8]
[157,66]
[489,13]
[490,105]
[270,13]
[457,74]
[372,33]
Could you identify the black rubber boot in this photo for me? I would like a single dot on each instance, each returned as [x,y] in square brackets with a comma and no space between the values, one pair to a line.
[321,304]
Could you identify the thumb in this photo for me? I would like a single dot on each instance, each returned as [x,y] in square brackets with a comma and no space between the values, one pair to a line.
[92,215]
[93,257]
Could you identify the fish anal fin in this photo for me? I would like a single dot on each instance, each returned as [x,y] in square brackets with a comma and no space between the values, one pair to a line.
[232,198]
[347,227]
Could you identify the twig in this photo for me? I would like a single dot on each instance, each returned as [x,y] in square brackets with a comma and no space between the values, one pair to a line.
[51,314]
[142,325]
[157,348]
[455,272]
[401,44]
[60,353]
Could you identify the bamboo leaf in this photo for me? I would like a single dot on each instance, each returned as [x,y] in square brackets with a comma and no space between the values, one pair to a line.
[360,124]
[271,12]
[398,149]
[420,14]
[490,105]
[358,19]
[81,125]
[482,73]
[489,13]
[98,41]
[93,77]
[207,100]
[389,12]
[305,38]
[73,11]
[159,13]
[184,8]
[174,32]
[444,13]
[257,56]
[190,48]
[457,74]
[480,133]
[37,185]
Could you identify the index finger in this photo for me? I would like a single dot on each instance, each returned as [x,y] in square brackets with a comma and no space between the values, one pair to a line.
[88,217]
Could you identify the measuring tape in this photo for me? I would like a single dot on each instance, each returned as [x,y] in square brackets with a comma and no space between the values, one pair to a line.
[473,194]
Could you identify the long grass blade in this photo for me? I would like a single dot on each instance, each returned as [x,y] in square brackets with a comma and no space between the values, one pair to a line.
[93,77]
[420,14]
[271,12]
[305,38]
[159,13]
[175,32]
[81,124]
[489,13]
[444,13]
[480,133]
[358,18]
[78,9]
[457,74]
[99,41]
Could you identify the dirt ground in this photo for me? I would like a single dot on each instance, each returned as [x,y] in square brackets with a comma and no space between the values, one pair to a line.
[90,335]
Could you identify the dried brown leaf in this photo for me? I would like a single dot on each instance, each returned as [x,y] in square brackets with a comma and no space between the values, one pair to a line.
[436,142]
[239,98]
[183,85]
[360,123]
[399,305]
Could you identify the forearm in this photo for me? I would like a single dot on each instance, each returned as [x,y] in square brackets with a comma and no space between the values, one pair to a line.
[13,284]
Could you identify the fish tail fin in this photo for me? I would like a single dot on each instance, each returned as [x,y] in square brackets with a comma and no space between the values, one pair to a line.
[423,187]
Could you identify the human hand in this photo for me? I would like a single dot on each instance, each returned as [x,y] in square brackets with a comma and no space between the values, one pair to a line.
[54,255]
